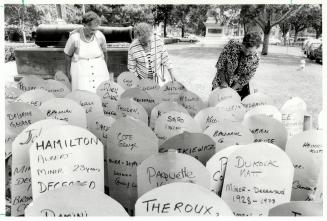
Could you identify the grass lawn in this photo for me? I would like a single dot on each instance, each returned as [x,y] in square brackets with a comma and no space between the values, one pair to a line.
[278,74]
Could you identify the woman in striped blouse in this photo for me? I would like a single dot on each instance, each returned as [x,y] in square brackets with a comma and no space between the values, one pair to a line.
[147,51]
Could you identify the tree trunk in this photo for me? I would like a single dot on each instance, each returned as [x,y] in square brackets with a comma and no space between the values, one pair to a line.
[183,31]
[165,26]
[265,41]
[285,39]
[295,35]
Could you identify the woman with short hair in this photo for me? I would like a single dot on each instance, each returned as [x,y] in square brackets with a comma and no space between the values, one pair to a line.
[86,55]
[237,64]
[147,53]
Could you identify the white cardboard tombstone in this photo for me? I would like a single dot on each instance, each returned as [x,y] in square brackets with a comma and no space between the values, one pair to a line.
[30,82]
[299,208]
[21,190]
[197,145]
[130,142]
[267,129]
[165,107]
[191,102]
[65,155]
[127,80]
[174,123]
[128,107]
[181,199]
[75,201]
[142,97]
[91,103]
[109,92]
[164,168]
[229,133]
[268,110]
[171,91]
[35,97]
[211,115]
[149,86]
[256,99]
[220,94]
[20,115]
[293,105]
[216,166]
[305,150]
[61,77]
[293,112]
[100,127]
[11,94]
[235,108]
[65,109]
[57,88]
[258,177]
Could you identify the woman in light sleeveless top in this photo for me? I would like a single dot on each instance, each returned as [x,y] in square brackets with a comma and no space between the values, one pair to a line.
[86,56]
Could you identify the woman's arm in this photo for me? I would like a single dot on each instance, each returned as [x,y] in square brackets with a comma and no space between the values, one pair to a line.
[68,60]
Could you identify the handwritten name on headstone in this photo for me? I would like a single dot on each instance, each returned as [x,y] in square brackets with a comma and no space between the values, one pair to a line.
[165,107]
[130,142]
[65,109]
[21,190]
[164,168]
[211,115]
[191,102]
[235,108]
[268,110]
[256,99]
[35,97]
[171,91]
[57,88]
[141,97]
[128,107]
[267,129]
[220,94]
[75,201]
[30,82]
[173,123]
[91,103]
[109,92]
[19,115]
[197,145]
[127,80]
[181,199]
[149,86]
[305,150]
[258,177]
[66,155]
[229,133]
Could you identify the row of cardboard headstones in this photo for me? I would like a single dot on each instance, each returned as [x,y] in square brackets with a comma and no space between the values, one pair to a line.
[231,109]
[63,154]
[167,116]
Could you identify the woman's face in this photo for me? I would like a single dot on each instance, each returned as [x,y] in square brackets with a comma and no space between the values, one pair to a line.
[145,39]
[92,26]
[248,51]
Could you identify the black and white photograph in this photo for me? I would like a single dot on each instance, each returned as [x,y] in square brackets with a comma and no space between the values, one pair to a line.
[156,108]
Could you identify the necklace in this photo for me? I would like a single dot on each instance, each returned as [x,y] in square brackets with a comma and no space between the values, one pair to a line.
[88,41]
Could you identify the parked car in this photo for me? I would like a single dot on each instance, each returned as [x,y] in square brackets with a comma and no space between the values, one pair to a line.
[305,42]
[307,45]
[317,54]
[274,41]
[300,41]
[312,46]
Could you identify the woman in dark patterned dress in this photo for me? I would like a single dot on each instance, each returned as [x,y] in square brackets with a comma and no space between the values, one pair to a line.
[237,64]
